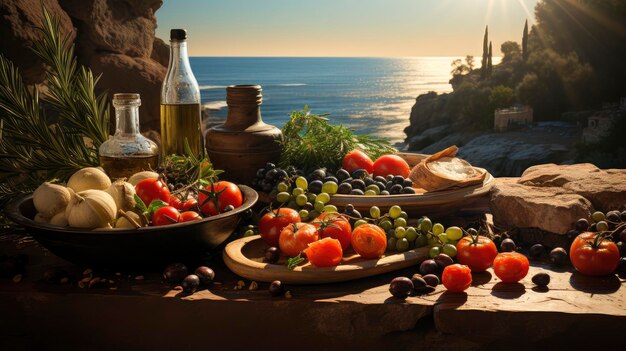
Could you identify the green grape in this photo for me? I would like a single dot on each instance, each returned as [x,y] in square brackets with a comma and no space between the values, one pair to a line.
[369,193]
[399,222]
[323,198]
[404,215]
[385,224]
[297,191]
[311,197]
[373,188]
[432,241]
[314,214]
[449,250]
[301,200]
[443,237]
[400,232]
[452,242]
[304,214]
[438,228]
[283,197]
[454,233]
[302,183]
[282,186]
[426,224]
[598,216]
[395,211]
[330,208]
[402,245]
[359,222]
[319,206]
[421,241]
[411,234]
[248,232]
[391,233]
[434,251]
[602,226]
[391,244]
[375,212]
[330,187]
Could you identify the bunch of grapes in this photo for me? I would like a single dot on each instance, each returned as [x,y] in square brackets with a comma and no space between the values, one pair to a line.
[310,199]
[268,177]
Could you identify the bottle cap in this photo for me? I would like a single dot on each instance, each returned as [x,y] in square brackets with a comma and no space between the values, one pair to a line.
[178,34]
[126,98]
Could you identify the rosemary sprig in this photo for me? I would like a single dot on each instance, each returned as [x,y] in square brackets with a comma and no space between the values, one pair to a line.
[310,142]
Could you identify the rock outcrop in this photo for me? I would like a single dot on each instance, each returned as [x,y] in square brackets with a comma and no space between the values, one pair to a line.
[552,197]
[113,38]
[428,111]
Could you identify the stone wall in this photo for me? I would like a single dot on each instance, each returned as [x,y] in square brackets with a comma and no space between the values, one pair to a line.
[115,38]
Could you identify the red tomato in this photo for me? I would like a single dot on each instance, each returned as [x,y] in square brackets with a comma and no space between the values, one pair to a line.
[510,267]
[165,215]
[356,159]
[369,241]
[149,190]
[456,277]
[176,202]
[477,252]
[216,197]
[326,252]
[294,238]
[273,222]
[592,254]
[189,216]
[391,164]
[335,226]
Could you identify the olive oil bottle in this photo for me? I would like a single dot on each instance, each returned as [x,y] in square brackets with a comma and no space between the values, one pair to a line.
[180,102]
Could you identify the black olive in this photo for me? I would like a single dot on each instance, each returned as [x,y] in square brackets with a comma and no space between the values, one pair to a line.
[380,179]
[342,174]
[380,185]
[358,184]
[622,248]
[344,188]
[271,174]
[331,179]
[205,274]
[272,254]
[316,186]
[368,181]
[419,284]
[507,245]
[395,189]
[408,190]
[359,173]
[429,267]
[407,183]
[190,284]
[442,260]
[276,288]
[401,287]
[431,279]
[175,272]
[357,192]
[541,279]
[536,250]
[582,225]
[558,256]
[318,174]
[622,265]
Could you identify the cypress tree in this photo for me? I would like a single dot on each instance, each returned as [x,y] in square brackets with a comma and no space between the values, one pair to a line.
[489,62]
[483,67]
[525,42]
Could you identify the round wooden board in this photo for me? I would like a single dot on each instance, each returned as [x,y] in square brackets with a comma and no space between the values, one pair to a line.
[245,258]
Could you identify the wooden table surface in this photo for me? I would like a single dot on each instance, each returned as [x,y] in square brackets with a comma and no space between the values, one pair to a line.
[137,311]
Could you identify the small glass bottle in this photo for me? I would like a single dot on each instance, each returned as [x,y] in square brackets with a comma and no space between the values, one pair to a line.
[180,102]
[127,152]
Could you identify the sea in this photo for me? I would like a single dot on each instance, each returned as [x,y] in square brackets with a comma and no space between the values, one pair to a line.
[368,95]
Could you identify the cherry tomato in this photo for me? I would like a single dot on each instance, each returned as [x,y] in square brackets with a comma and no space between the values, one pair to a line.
[149,190]
[356,159]
[477,252]
[294,238]
[594,255]
[165,215]
[187,205]
[510,267]
[273,222]
[335,226]
[326,252]
[189,216]
[216,197]
[456,277]
[391,164]
[369,241]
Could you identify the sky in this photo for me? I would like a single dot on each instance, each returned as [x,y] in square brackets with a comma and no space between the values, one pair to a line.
[344,28]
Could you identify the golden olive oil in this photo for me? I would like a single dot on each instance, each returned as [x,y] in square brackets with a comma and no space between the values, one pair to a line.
[124,167]
[180,122]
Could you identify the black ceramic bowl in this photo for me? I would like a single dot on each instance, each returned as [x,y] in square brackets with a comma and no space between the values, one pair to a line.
[132,247]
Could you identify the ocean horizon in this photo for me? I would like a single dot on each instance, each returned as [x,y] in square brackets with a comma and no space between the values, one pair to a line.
[372,95]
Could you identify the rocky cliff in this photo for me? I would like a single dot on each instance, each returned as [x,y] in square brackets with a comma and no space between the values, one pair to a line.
[115,38]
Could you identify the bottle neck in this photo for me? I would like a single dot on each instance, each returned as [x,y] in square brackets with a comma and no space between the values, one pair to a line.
[180,85]
[127,120]
[179,59]
[244,106]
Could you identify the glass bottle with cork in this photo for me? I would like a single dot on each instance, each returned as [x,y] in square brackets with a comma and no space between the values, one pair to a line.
[127,152]
[180,102]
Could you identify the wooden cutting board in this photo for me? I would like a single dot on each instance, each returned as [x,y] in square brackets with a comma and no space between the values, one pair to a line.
[245,258]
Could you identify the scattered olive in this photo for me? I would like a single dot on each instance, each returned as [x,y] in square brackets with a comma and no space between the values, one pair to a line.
[272,254]
[541,279]
[276,288]
[175,273]
[431,279]
[442,260]
[572,234]
[582,225]
[205,274]
[558,256]
[507,245]
[536,250]
[401,287]
[613,216]
[419,284]
[429,267]
[190,284]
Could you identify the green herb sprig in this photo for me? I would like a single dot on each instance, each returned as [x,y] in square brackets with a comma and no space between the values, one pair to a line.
[310,142]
